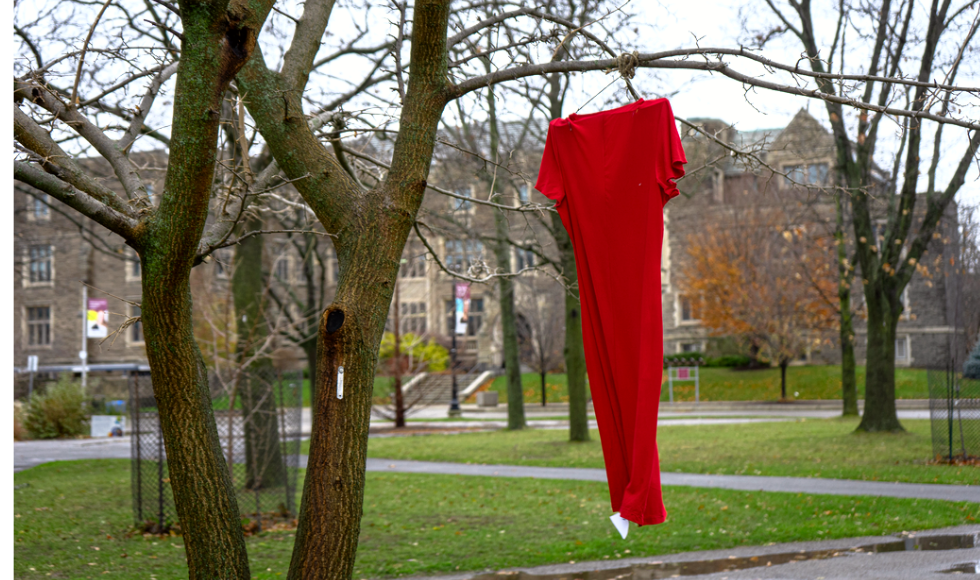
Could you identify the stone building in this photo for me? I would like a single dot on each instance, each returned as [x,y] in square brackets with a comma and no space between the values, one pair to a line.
[56,251]
[804,152]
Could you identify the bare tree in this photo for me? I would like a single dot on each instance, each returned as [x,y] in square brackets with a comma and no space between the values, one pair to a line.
[66,106]
[944,47]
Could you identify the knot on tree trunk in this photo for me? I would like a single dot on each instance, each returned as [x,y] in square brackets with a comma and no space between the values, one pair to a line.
[237,45]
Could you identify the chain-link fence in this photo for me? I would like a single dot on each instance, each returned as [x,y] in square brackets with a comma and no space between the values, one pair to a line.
[259,419]
[954,410]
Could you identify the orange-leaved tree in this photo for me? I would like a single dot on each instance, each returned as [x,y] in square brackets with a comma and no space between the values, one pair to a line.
[770,285]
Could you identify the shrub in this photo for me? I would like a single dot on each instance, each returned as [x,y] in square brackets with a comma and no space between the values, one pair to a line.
[971,368]
[731,360]
[684,357]
[59,412]
[428,354]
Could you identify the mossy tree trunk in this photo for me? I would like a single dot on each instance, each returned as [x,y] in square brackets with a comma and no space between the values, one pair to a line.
[371,228]
[264,465]
[218,39]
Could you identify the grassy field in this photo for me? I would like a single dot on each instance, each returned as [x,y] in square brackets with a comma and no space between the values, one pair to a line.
[73,520]
[802,448]
[725,384]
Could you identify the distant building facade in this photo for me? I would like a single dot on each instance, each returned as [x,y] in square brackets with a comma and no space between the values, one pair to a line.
[804,153]
[57,251]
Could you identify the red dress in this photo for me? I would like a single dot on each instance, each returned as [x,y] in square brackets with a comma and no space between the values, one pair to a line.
[611,173]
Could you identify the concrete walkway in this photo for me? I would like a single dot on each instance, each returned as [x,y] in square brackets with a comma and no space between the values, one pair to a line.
[30,453]
[740,482]
[867,558]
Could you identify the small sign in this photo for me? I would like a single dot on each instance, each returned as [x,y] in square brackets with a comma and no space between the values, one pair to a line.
[97,318]
[32,363]
[108,426]
[462,291]
[683,373]
[340,383]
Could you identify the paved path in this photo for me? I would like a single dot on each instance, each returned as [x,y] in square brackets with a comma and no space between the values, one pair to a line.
[30,453]
[839,561]
[741,482]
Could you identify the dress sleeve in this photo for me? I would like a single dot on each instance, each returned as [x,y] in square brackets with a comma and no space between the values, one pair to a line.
[550,183]
[670,165]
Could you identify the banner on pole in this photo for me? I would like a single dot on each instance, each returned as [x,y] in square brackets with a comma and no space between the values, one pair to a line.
[97,318]
[462,307]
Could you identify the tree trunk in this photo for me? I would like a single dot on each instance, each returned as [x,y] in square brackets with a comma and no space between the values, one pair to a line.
[512,364]
[848,366]
[880,413]
[845,274]
[544,392]
[350,333]
[203,492]
[508,316]
[783,363]
[397,364]
[264,465]
[574,351]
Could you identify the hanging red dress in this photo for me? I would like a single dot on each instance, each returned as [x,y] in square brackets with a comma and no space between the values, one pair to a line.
[611,173]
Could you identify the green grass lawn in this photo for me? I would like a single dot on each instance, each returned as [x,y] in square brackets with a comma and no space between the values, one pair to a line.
[802,448]
[74,521]
[725,384]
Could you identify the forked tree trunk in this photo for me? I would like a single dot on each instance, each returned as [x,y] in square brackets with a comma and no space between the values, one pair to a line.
[880,413]
[217,45]
[350,333]
[369,249]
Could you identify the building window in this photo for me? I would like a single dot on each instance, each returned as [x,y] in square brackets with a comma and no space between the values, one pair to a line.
[476,317]
[413,318]
[461,253]
[811,174]
[522,193]
[690,347]
[40,264]
[462,204]
[136,328]
[134,268]
[525,259]
[688,309]
[40,207]
[222,263]
[902,349]
[282,267]
[39,326]
[413,267]
[474,322]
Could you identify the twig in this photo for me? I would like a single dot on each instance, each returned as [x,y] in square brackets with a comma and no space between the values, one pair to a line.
[81,57]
